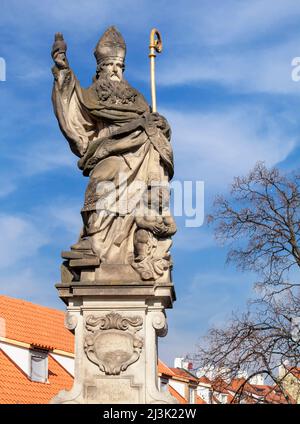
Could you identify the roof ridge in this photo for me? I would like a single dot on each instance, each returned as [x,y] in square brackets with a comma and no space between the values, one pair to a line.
[36,305]
[35,324]
[189,372]
[164,364]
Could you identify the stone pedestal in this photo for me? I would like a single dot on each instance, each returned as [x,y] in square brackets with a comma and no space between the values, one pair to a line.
[116,328]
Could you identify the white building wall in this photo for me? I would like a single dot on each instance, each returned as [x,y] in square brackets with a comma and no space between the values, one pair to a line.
[19,355]
[66,362]
[258,379]
[203,392]
[178,386]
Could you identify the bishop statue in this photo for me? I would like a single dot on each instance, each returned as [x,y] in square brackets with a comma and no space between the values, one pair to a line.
[124,148]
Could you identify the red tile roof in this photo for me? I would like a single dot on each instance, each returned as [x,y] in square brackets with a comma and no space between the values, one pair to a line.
[295,371]
[16,388]
[253,392]
[175,372]
[199,400]
[236,384]
[219,385]
[164,369]
[204,380]
[35,324]
[44,327]
[186,375]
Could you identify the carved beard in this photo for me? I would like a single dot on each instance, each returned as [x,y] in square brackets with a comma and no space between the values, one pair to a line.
[115,92]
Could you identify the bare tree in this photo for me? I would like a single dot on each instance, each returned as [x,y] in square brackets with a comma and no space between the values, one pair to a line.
[262,222]
[255,343]
[262,218]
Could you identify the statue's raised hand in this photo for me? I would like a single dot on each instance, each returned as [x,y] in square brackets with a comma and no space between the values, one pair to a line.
[58,52]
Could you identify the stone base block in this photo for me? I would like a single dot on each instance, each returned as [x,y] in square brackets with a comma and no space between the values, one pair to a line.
[116,328]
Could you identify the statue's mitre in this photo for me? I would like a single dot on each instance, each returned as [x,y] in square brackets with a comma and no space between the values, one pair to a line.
[111,44]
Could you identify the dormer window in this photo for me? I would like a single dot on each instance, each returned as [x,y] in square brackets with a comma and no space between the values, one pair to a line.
[39,365]
[191,395]
[164,384]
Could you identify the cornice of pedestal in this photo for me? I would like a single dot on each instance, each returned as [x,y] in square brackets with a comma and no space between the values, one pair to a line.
[140,290]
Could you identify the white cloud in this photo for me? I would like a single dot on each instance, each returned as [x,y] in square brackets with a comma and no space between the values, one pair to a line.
[237,44]
[263,69]
[26,283]
[177,344]
[66,217]
[26,271]
[207,300]
[191,239]
[217,146]
[209,21]
[235,21]
[21,283]
[7,187]
[44,157]
[20,239]
[32,160]
[66,15]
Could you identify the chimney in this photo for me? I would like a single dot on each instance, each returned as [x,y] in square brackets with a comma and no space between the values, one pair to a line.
[184,363]
[283,368]
[178,362]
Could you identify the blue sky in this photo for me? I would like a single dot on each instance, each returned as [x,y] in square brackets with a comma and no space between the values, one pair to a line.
[223,82]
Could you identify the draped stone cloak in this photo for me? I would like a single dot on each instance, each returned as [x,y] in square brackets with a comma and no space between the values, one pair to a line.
[120,149]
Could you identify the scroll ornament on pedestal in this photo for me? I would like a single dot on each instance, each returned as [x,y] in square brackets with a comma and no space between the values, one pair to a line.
[112,343]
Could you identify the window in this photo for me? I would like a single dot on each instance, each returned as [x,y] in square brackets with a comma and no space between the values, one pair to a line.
[192,395]
[163,384]
[39,365]
[223,399]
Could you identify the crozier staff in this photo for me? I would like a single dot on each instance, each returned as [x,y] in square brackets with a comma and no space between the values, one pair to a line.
[154,46]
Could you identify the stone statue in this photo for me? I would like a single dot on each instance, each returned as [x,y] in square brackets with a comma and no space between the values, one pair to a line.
[116,279]
[125,151]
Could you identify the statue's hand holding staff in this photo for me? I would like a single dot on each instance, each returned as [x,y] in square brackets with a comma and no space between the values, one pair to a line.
[155,119]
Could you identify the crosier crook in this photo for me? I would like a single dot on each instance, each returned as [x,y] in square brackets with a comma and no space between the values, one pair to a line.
[154,46]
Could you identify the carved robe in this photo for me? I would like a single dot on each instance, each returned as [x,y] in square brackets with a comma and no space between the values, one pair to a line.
[109,127]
